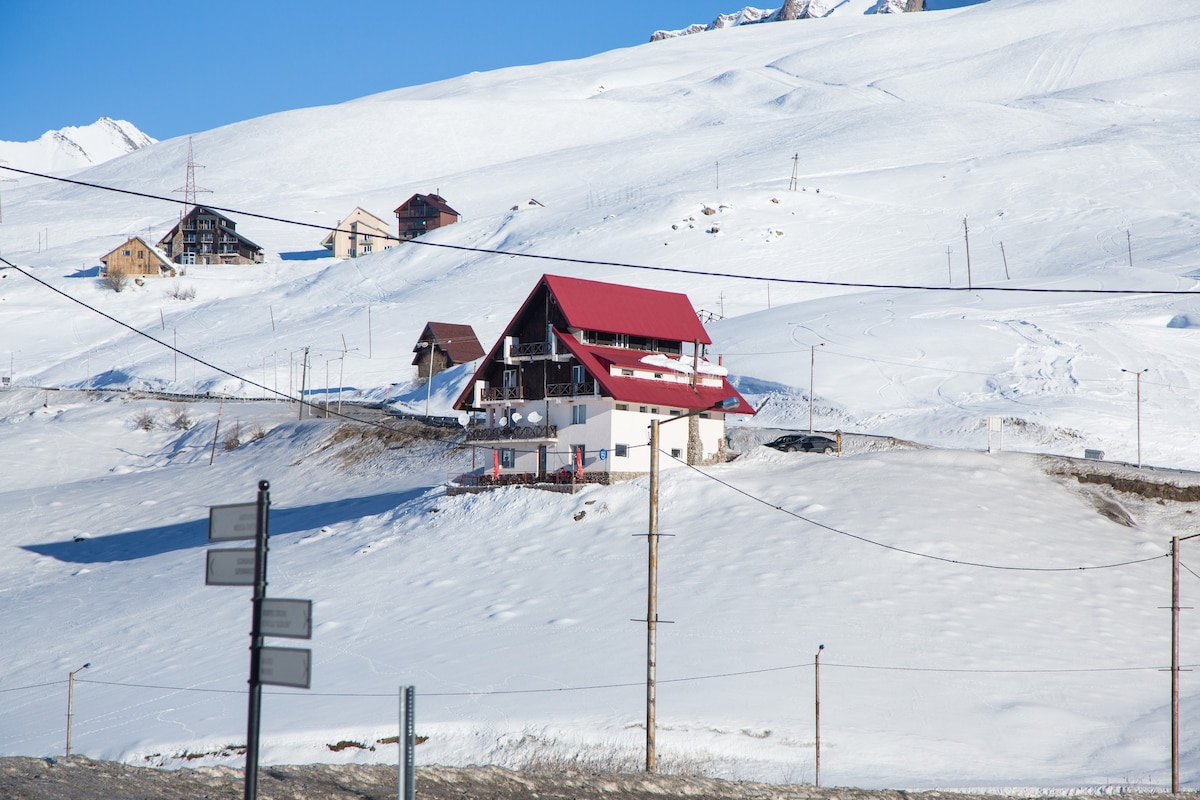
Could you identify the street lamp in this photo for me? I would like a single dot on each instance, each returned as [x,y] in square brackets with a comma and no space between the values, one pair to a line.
[1138,373]
[71,701]
[727,404]
[817,711]
[812,368]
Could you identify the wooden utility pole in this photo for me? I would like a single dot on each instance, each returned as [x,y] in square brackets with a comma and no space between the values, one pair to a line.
[1006,277]
[1175,660]
[967,244]
[1129,245]
[303,378]
[652,603]
[949,268]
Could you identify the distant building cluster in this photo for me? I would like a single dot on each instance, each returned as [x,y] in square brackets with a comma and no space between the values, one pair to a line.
[205,236]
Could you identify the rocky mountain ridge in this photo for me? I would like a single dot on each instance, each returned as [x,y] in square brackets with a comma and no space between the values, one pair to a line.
[74,148]
[791,10]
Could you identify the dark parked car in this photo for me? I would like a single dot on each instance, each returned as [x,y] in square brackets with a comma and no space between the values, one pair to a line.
[804,442]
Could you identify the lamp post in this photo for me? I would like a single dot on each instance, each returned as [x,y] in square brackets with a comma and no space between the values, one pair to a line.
[71,701]
[727,404]
[1138,373]
[817,712]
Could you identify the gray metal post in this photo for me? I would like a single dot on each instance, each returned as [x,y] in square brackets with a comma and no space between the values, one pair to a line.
[1175,664]
[407,773]
[254,711]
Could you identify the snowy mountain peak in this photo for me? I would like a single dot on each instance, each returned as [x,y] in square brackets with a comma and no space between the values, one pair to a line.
[75,148]
[795,9]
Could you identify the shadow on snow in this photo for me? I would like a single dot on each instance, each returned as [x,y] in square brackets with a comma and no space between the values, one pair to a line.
[147,542]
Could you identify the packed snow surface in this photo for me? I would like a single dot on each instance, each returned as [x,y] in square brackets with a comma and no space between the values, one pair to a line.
[834,162]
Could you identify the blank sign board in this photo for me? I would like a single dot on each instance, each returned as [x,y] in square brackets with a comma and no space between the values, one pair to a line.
[230,568]
[285,666]
[288,618]
[228,523]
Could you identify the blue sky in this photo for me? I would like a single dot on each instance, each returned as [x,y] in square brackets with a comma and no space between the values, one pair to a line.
[174,68]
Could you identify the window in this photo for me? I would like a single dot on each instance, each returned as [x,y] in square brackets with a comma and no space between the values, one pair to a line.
[676,452]
[674,412]
[658,375]
[124,252]
[366,248]
[579,414]
[621,450]
[508,457]
[628,373]
[705,415]
[577,374]
[510,378]
[621,340]
[578,455]
[643,409]
[622,406]
[141,253]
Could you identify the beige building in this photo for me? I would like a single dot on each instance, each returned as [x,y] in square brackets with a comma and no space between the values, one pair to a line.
[137,257]
[359,234]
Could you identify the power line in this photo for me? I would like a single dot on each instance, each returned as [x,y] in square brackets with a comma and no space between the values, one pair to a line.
[623,265]
[639,684]
[916,553]
[282,395]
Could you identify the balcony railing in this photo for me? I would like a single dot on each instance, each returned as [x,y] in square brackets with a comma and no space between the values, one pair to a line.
[570,389]
[496,393]
[507,433]
[529,349]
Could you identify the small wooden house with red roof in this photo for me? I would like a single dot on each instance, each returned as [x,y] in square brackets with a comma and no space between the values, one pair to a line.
[443,345]
[583,367]
[422,213]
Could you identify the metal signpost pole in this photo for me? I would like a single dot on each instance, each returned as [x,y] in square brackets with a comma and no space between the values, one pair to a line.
[407,775]
[256,640]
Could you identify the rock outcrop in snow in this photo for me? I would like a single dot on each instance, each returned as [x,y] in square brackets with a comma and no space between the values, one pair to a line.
[75,148]
[791,10]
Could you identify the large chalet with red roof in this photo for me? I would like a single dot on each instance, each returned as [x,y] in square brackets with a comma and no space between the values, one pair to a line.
[580,371]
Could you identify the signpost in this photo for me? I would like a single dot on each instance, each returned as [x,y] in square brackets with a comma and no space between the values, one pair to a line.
[277,666]
[285,666]
[230,568]
[291,619]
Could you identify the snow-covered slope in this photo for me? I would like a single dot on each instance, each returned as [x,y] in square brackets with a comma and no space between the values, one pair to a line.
[74,148]
[1066,147]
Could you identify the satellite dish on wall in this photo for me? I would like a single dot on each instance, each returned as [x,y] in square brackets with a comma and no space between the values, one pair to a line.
[503,420]
[516,417]
[534,417]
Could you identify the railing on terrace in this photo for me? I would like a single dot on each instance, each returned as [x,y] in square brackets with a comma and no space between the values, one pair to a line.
[511,432]
[529,349]
[531,478]
[494,393]
[570,389]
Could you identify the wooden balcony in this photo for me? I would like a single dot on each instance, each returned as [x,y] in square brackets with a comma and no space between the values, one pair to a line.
[586,389]
[497,394]
[511,433]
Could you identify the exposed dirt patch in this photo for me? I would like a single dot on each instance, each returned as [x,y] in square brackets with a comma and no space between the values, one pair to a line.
[79,778]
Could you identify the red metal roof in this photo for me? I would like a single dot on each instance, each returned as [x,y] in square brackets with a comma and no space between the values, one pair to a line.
[648,391]
[613,308]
